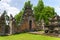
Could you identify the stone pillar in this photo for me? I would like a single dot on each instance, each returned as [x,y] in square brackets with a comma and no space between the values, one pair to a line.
[42,24]
[2,24]
[12,25]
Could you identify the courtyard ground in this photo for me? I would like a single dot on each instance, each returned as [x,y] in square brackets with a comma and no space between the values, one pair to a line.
[27,36]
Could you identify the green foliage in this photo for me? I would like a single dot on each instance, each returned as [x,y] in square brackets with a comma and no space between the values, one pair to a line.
[40,5]
[48,12]
[43,12]
[38,10]
[18,16]
[28,4]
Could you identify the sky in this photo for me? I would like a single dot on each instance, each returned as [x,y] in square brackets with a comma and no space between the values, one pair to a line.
[15,6]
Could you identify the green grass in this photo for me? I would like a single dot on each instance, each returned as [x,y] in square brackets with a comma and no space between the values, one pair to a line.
[26,36]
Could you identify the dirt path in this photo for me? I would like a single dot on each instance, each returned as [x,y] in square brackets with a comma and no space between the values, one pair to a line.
[39,32]
[42,33]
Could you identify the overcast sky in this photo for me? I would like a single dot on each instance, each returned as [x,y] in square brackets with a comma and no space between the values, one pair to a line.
[14,6]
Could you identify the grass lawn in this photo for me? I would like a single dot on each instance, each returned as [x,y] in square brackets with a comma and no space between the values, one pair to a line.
[26,36]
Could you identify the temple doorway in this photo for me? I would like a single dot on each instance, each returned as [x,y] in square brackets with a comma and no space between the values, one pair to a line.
[30,25]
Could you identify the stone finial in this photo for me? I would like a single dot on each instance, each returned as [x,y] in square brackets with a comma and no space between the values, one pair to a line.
[11,17]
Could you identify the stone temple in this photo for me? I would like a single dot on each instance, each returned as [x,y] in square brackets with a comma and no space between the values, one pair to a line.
[28,23]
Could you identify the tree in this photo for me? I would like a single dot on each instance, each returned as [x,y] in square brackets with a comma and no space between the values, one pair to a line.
[27,4]
[38,9]
[40,5]
[18,16]
[43,12]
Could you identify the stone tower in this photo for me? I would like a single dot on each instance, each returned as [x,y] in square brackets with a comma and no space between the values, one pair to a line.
[2,24]
[28,21]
